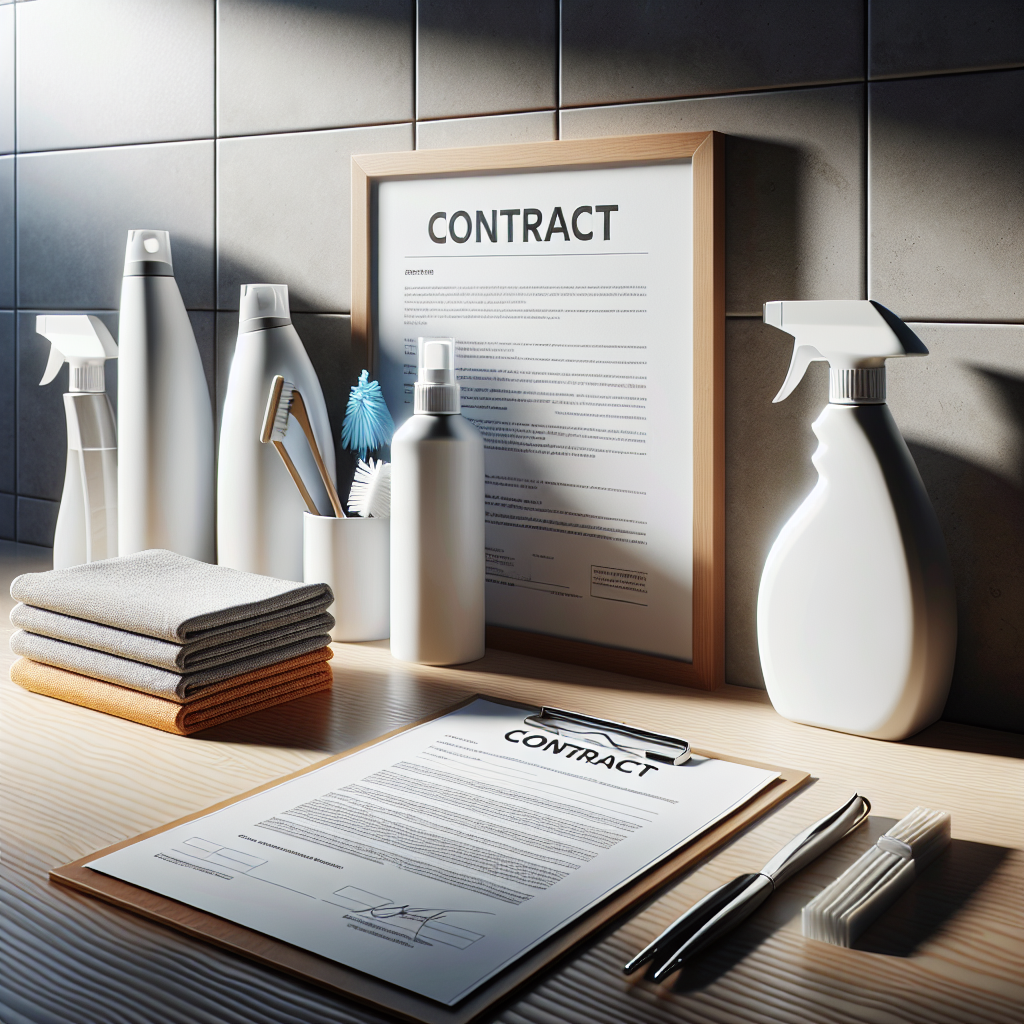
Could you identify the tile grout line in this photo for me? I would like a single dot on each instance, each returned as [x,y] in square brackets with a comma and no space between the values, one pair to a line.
[17,281]
[734,315]
[829,84]
[558,77]
[216,209]
[559,109]
[867,150]
[415,74]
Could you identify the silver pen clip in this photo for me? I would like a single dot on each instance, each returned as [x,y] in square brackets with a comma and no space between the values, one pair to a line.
[638,742]
[817,838]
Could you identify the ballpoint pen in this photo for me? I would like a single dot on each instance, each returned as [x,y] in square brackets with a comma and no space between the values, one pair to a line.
[721,910]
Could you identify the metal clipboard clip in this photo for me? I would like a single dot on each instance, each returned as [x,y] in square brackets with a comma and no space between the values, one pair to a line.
[639,742]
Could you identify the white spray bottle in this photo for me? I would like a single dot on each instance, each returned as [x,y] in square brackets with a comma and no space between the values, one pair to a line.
[165,488]
[87,520]
[437,521]
[856,615]
[259,510]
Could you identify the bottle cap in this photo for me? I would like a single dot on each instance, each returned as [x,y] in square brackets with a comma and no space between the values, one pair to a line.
[148,254]
[436,390]
[262,306]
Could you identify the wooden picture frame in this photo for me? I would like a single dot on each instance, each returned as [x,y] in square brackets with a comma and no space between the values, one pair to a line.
[706,151]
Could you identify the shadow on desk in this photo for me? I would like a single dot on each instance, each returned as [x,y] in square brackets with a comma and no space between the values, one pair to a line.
[369,700]
[363,705]
[934,899]
[971,739]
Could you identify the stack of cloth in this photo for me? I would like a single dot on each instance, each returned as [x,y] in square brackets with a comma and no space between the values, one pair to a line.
[170,642]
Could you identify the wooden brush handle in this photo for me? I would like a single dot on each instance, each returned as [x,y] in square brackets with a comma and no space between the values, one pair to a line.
[298,410]
[290,466]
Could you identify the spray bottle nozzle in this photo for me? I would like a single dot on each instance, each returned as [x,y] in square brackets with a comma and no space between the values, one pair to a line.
[855,337]
[436,390]
[436,364]
[84,343]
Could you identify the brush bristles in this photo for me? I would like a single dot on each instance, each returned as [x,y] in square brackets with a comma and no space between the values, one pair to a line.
[371,489]
[274,427]
[284,406]
[368,424]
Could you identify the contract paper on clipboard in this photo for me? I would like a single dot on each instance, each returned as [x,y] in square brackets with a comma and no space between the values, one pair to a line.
[435,858]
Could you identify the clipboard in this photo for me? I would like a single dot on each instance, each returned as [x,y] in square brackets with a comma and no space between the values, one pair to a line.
[381,995]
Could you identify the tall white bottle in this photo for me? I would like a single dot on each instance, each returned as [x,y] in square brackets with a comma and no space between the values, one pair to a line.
[437,521]
[87,521]
[259,509]
[164,417]
[856,614]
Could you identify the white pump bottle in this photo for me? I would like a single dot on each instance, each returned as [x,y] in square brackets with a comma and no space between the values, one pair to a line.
[164,417]
[87,520]
[437,521]
[259,509]
[856,614]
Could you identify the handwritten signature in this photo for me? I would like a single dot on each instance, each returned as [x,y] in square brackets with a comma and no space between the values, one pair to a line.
[406,912]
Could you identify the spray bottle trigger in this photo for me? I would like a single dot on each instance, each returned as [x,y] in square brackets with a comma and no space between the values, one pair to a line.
[53,364]
[803,356]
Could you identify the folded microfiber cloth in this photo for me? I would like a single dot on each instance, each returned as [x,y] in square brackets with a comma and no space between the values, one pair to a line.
[246,694]
[164,595]
[272,633]
[175,686]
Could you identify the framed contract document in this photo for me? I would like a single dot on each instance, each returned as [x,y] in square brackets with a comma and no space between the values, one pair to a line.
[583,283]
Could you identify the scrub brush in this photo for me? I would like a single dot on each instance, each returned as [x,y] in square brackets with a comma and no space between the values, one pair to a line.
[284,400]
[841,912]
[368,424]
[371,490]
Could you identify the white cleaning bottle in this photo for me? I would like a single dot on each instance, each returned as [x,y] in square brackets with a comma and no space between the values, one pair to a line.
[856,615]
[164,417]
[437,521]
[259,510]
[87,520]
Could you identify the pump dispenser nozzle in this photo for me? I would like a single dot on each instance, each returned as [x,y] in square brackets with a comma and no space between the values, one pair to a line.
[84,343]
[855,336]
[436,390]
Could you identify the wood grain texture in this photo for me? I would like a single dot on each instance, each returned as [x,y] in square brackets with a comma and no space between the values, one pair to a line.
[950,952]
[707,152]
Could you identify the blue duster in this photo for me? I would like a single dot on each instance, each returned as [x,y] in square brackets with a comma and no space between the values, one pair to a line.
[368,424]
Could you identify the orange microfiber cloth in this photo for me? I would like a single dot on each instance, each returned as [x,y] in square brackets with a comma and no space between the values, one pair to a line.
[233,698]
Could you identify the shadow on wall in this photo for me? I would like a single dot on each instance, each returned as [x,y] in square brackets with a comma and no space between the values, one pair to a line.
[981,515]
[762,222]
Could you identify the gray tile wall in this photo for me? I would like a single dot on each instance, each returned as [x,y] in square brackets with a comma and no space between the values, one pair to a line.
[875,149]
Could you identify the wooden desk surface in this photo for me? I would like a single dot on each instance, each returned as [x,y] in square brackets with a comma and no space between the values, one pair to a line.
[951,950]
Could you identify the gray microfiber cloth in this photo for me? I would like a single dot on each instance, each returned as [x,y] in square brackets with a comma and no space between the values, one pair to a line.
[216,647]
[163,595]
[176,686]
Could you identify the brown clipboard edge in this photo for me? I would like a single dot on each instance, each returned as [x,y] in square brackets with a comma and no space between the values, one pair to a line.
[381,995]
[707,151]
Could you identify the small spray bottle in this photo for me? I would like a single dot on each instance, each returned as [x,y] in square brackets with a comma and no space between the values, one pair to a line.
[87,520]
[856,614]
[437,521]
